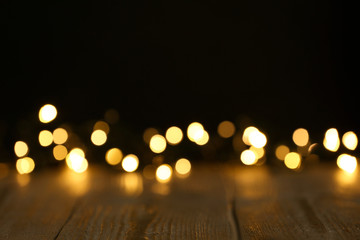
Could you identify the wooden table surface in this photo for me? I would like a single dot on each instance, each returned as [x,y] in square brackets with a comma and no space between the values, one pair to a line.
[214,202]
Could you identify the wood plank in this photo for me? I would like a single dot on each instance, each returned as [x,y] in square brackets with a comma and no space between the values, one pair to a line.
[33,207]
[287,205]
[194,208]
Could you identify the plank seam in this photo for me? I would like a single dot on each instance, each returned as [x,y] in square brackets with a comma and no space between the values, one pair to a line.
[67,219]
[235,218]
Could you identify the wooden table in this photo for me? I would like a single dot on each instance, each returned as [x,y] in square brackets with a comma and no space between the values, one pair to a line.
[214,202]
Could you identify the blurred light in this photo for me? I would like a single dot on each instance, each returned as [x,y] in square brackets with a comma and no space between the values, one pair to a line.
[350,140]
[21,148]
[257,139]
[45,138]
[74,183]
[148,133]
[174,135]
[113,156]
[195,131]
[300,137]
[226,129]
[60,152]
[98,137]
[158,160]
[4,170]
[331,140]
[130,163]
[111,116]
[163,173]
[149,171]
[281,152]
[204,139]
[25,165]
[347,162]
[60,136]
[292,160]
[157,143]
[47,113]
[101,125]
[248,157]
[23,179]
[246,134]
[259,152]
[76,160]
[131,183]
[183,166]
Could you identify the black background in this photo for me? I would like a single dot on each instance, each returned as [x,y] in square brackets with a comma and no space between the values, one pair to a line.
[283,64]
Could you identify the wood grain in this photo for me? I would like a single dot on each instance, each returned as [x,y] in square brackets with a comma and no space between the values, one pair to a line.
[214,202]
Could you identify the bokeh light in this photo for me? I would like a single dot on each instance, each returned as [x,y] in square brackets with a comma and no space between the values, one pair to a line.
[257,139]
[331,140]
[246,134]
[25,165]
[292,160]
[76,160]
[113,156]
[195,131]
[21,148]
[163,173]
[131,183]
[204,138]
[347,162]
[248,157]
[60,135]
[174,135]
[281,151]
[47,113]
[130,163]
[101,125]
[183,166]
[226,129]
[148,133]
[60,152]
[350,140]
[300,137]
[45,138]
[98,137]
[157,143]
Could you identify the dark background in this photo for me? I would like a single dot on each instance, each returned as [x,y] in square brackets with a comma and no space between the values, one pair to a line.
[282,64]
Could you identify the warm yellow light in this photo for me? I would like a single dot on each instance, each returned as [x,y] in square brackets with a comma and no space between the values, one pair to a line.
[246,134]
[259,152]
[60,152]
[204,139]
[25,165]
[350,140]
[292,160]
[195,131]
[148,133]
[183,166]
[98,137]
[111,116]
[131,183]
[347,163]
[45,138]
[60,136]
[226,129]
[113,156]
[47,113]
[281,152]
[21,148]
[248,157]
[163,173]
[174,135]
[157,143]
[101,125]
[300,137]
[331,140]
[257,139]
[76,160]
[130,163]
